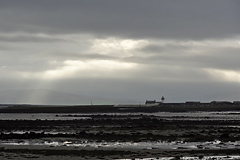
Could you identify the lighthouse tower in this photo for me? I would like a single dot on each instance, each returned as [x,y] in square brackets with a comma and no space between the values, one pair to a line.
[162,99]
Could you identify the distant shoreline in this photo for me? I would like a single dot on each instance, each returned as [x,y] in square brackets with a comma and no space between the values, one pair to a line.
[162,107]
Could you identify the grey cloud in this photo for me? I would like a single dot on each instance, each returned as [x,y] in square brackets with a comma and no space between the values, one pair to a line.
[26,66]
[223,59]
[164,49]
[173,73]
[29,38]
[21,61]
[226,58]
[143,89]
[40,62]
[80,56]
[166,19]
[4,47]
[172,70]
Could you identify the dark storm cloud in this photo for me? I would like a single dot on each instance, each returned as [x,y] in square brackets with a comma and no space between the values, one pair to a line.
[166,19]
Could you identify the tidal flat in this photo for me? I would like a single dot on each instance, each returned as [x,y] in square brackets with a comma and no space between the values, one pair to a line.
[128,135]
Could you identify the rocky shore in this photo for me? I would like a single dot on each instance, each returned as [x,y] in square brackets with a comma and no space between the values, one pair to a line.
[117,136]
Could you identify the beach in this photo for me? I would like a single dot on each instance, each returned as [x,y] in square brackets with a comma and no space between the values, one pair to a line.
[120,135]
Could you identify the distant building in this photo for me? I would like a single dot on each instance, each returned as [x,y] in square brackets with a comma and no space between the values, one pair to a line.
[151,103]
[221,102]
[236,102]
[193,102]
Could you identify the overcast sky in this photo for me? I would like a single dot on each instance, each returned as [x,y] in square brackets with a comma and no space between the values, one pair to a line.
[187,50]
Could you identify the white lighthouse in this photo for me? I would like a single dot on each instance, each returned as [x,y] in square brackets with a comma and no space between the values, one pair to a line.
[162,99]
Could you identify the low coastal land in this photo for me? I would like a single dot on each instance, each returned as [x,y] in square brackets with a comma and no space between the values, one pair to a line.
[162,107]
[104,132]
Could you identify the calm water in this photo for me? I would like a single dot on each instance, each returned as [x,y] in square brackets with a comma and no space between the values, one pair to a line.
[40,116]
[164,115]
